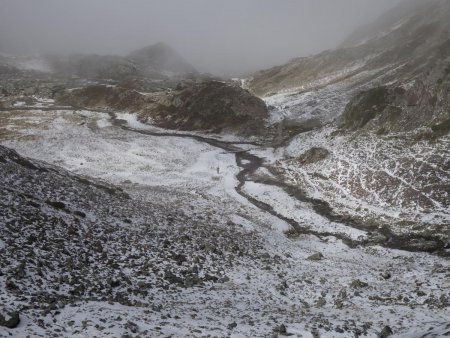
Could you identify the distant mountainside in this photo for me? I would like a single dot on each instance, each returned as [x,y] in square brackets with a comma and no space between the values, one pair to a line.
[406,51]
[93,66]
[160,58]
[159,62]
[372,120]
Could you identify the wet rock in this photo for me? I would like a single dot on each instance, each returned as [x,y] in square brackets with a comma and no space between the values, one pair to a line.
[12,322]
[232,326]
[211,278]
[386,332]
[133,327]
[420,293]
[358,284]
[56,204]
[20,271]
[281,329]
[316,257]
[386,275]
[80,214]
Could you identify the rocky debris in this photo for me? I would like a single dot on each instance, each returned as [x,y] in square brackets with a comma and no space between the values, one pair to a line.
[68,259]
[25,85]
[211,106]
[84,272]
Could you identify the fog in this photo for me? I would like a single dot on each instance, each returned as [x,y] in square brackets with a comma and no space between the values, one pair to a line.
[222,37]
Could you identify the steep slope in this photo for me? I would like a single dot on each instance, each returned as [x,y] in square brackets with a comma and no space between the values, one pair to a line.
[66,239]
[407,50]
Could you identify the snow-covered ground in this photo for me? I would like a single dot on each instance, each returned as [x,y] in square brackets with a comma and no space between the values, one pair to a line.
[393,179]
[345,292]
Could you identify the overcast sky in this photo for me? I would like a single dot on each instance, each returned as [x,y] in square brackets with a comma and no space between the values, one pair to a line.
[214,35]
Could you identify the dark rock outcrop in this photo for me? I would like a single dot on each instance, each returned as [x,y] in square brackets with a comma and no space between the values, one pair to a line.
[364,107]
[211,105]
[313,155]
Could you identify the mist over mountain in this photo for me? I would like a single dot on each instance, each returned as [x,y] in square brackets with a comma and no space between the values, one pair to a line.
[231,37]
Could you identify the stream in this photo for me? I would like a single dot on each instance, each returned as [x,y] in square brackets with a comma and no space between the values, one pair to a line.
[250,163]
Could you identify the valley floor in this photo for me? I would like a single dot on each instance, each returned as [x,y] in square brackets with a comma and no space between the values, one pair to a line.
[308,284]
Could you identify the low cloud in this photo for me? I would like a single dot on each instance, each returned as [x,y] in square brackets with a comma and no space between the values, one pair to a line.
[231,36]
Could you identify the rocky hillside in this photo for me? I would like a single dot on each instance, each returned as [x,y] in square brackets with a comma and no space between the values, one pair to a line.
[380,107]
[406,53]
[211,106]
[158,62]
[66,239]
[93,66]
